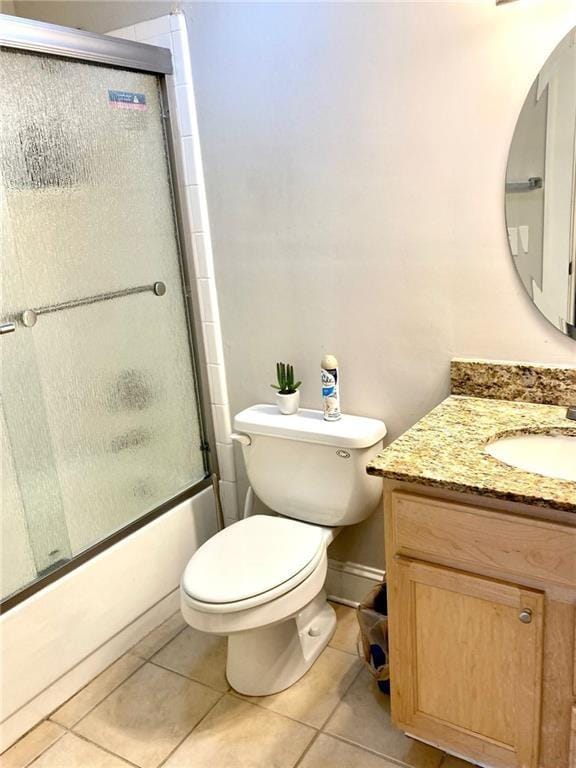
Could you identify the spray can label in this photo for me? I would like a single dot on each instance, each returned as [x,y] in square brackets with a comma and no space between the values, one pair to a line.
[330,395]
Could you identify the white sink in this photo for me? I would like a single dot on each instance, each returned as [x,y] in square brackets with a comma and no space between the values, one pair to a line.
[549,455]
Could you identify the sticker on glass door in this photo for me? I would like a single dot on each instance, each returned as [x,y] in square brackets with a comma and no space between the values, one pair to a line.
[127,100]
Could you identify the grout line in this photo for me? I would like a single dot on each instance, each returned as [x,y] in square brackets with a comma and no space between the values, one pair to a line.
[328,718]
[191,731]
[313,741]
[248,700]
[25,765]
[372,751]
[187,677]
[70,729]
[105,749]
[67,732]
[358,746]
[110,692]
[341,698]
[148,658]
[343,650]
[116,754]
[115,688]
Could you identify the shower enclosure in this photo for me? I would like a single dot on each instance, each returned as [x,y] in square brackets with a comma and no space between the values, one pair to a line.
[101,419]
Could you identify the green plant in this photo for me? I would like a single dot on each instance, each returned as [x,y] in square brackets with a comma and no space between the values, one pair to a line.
[285,375]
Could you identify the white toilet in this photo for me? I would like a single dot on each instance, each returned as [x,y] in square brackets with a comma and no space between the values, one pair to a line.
[261,580]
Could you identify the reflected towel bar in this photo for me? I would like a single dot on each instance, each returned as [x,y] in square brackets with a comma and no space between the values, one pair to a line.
[534,182]
[29,316]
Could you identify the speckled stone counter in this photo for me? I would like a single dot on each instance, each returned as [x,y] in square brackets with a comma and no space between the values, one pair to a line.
[527,382]
[446,449]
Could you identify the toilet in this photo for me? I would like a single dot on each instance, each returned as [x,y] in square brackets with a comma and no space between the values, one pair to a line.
[261,580]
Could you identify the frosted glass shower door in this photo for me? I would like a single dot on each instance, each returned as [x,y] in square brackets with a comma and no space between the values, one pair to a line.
[100,415]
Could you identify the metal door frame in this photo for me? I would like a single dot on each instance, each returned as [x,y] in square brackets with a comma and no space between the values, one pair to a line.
[39,37]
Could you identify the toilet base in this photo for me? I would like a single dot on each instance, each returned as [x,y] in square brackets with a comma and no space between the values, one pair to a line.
[270,659]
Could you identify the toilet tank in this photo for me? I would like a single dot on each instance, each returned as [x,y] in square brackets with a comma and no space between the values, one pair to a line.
[310,469]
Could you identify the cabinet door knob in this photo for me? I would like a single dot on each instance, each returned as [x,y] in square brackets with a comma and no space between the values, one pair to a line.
[525,616]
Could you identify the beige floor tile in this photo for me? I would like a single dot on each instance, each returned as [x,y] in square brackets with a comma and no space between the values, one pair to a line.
[314,696]
[237,734]
[364,718]
[73,752]
[346,635]
[197,655]
[158,638]
[145,718]
[96,691]
[30,746]
[455,762]
[328,752]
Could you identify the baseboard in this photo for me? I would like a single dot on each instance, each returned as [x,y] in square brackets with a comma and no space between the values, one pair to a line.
[70,683]
[349,583]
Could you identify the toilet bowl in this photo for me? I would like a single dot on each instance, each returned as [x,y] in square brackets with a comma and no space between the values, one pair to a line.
[261,580]
[271,605]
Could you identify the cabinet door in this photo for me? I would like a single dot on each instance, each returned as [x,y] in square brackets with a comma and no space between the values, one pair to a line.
[466,663]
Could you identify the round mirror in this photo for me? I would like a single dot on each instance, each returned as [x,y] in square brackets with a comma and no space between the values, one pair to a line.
[541,189]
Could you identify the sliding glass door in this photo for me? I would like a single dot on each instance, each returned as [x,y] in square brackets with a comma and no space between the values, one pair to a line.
[100,414]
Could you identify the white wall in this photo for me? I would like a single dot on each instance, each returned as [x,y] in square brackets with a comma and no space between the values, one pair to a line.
[355,157]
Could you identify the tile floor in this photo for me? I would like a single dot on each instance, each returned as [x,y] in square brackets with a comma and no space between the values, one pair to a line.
[167,703]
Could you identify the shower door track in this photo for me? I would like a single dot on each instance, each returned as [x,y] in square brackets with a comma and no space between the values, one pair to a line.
[96,549]
[39,37]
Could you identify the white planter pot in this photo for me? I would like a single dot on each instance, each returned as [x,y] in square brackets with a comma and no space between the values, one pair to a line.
[288,404]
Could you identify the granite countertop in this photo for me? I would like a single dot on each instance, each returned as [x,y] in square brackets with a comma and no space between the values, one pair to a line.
[446,449]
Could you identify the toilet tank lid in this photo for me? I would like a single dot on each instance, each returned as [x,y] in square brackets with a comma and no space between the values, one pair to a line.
[309,426]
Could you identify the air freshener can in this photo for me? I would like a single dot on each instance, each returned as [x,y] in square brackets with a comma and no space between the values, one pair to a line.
[330,388]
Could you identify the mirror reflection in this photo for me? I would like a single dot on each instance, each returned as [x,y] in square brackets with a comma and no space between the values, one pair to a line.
[541,189]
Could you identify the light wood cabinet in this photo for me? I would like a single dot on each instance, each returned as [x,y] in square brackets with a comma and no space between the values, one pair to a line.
[470,667]
[482,608]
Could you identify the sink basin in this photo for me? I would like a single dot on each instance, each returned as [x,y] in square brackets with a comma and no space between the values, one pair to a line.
[548,455]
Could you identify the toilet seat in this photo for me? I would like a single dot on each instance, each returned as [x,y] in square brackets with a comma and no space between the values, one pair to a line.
[252,562]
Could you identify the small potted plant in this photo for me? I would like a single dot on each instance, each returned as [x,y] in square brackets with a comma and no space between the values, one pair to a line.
[287,395]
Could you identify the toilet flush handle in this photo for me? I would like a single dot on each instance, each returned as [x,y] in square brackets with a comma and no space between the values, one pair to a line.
[242,439]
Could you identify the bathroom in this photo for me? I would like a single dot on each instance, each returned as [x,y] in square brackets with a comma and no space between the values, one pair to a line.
[338,177]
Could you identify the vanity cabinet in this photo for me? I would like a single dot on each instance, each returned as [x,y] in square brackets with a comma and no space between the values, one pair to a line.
[482,607]
[470,661]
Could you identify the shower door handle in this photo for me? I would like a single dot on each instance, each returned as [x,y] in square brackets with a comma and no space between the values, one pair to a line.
[30,316]
[7,328]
